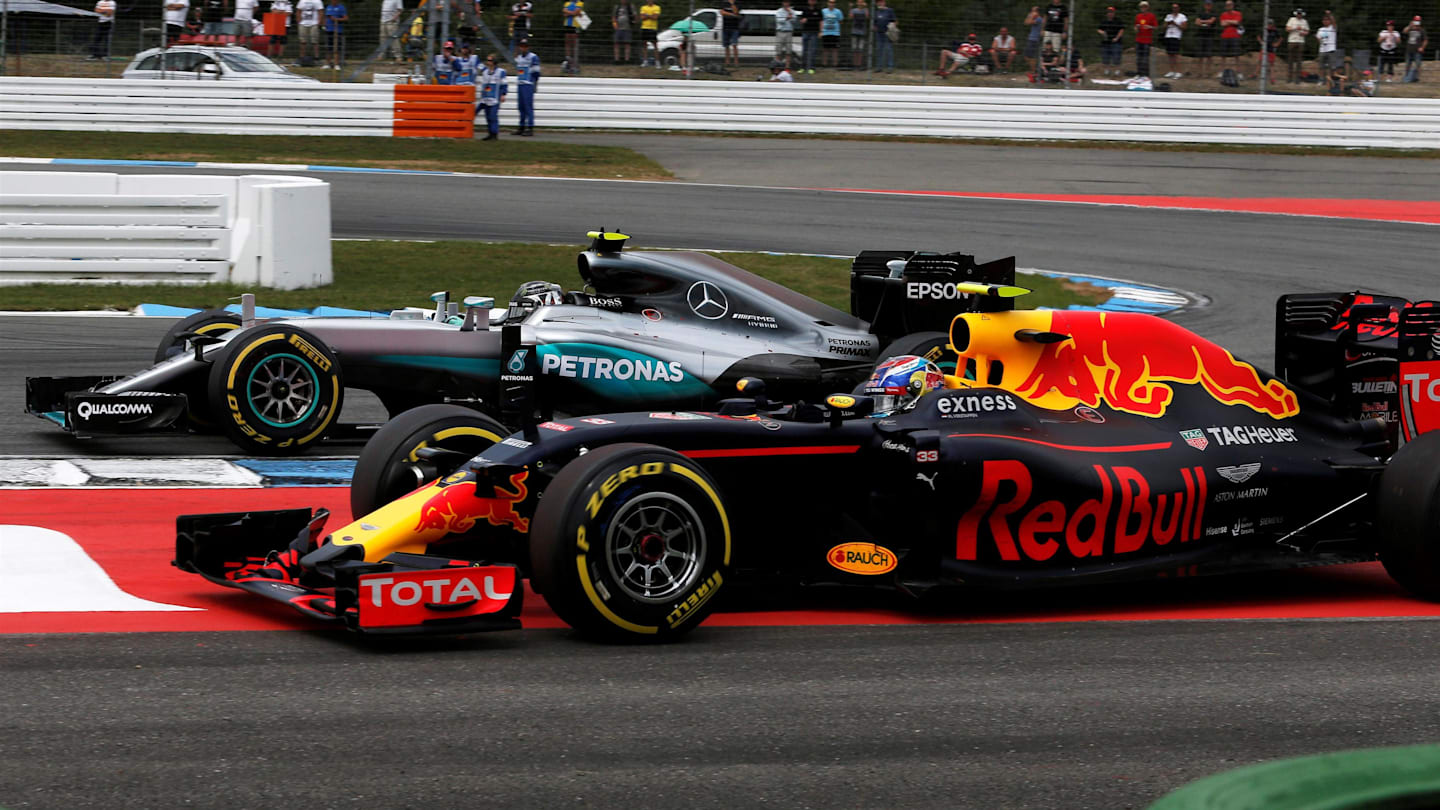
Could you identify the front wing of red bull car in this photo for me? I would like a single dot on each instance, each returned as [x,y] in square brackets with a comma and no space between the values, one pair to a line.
[1077,447]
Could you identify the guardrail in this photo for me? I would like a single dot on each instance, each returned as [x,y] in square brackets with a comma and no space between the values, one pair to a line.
[724,106]
[236,108]
[260,230]
[966,112]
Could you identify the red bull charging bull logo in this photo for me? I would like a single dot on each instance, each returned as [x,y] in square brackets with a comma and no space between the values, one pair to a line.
[1127,361]
[455,509]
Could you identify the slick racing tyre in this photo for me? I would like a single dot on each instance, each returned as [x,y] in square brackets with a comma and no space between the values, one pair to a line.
[631,542]
[210,323]
[933,346]
[390,466]
[275,390]
[1409,516]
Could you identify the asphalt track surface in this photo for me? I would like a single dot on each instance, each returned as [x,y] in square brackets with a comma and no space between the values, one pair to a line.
[1050,715]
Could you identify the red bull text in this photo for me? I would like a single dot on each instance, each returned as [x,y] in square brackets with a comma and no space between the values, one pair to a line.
[1128,516]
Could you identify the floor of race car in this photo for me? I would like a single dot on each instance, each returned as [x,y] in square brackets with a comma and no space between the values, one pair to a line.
[85,561]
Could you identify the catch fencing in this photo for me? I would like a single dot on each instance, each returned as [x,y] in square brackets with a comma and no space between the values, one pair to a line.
[237,108]
[268,231]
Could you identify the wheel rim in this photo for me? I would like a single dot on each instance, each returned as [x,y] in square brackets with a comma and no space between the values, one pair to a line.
[282,390]
[655,547]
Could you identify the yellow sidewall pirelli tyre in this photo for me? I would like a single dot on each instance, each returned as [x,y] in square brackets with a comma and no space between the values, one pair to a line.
[390,466]
[211,323]
[1408,516]
[275,390]
[631,542]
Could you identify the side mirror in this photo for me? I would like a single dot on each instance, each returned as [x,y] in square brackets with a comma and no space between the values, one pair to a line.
[442,304]
[896,267]
[477,312]
[210,69]
[843,405]
[741,406]
[754,386]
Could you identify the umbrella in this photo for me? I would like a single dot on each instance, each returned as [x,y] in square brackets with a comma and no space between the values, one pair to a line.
[44,8]
[695,26]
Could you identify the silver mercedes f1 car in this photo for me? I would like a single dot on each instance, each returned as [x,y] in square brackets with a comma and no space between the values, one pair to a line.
[651,329]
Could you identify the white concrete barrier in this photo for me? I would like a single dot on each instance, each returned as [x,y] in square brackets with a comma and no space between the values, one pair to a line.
[236,108]
[971,112]
[724,106]
[74,227]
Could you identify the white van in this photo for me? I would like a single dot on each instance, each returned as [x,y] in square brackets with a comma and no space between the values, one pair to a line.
[757,40]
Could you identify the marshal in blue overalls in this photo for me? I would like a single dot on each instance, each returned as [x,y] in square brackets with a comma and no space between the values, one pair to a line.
[492,93]
[527,79]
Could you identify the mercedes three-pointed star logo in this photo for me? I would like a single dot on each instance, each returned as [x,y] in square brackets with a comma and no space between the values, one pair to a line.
[707,300]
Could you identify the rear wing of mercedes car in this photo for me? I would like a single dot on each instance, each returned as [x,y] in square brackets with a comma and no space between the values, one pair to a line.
[904,292]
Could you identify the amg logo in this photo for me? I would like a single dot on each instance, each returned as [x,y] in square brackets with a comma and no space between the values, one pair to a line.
[605,368]
[940,291]
[757,321]
[87,409]
[987,403]
[1374,387]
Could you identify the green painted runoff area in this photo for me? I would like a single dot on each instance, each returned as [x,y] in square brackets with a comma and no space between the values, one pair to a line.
[1367,779]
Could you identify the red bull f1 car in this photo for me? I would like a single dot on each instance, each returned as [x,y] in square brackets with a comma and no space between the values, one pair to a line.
[666,329]
[1068,448]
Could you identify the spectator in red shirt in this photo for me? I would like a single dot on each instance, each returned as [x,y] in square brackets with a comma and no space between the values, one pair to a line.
[1145,25]
[1230,36]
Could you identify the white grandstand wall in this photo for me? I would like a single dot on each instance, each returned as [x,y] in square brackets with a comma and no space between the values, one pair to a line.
[88,227]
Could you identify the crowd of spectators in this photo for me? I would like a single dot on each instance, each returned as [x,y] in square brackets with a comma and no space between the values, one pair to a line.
[1196,38]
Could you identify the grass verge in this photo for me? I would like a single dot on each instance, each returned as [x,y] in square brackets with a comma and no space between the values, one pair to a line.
[511,156]
[386,275]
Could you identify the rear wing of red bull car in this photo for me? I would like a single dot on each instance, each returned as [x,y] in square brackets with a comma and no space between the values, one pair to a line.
[901,292]
[1370,356]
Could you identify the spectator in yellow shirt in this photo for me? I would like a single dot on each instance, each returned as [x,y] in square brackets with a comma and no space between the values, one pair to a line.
[649,30]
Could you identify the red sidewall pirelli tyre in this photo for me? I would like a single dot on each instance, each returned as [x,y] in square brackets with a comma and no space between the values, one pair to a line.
[211,323]
[275,390]
[1408,509]
[389,466]
[631,542]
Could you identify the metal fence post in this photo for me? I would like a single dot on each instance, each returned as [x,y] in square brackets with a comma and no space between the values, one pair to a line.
[4,33]
[1265,49]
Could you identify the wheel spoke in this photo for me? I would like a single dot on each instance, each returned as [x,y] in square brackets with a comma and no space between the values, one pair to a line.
[655,547]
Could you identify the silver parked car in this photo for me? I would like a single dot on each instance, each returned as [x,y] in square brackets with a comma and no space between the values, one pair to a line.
[227,63]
